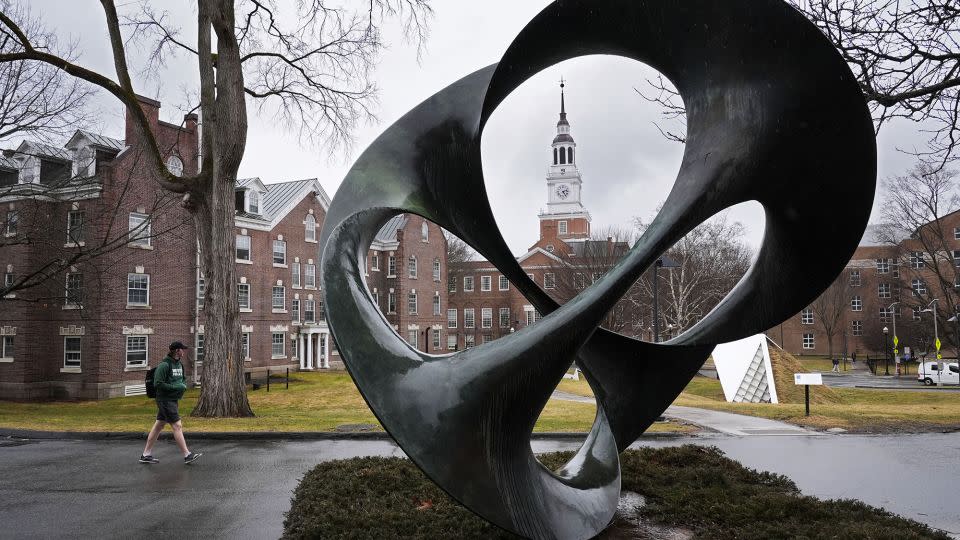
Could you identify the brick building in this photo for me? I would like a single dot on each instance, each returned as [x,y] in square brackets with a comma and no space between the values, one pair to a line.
[133,282]
[892,278]
[484,305]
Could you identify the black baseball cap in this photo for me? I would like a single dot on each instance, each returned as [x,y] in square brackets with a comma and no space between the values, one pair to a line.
[177,345]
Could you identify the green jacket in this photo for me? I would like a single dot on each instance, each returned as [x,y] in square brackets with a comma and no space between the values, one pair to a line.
[169,380]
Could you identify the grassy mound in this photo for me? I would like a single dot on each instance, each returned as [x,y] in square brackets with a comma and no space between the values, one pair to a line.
[784,366]
[689,486]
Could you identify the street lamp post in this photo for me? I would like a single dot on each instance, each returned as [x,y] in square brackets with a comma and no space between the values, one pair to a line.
[931,308]
[886,351]
[662,262]
[896,344]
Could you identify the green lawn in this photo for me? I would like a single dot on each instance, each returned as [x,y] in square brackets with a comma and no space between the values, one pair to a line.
[319,401]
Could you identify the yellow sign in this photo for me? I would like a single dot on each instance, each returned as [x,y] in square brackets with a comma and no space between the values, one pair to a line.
[896,341]
[937,343]
[896,351]
[939,356]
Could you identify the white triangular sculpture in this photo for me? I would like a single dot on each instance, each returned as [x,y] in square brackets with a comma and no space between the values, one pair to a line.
[744,370]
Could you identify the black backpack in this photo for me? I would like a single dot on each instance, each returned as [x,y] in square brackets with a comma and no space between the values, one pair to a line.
[148,382]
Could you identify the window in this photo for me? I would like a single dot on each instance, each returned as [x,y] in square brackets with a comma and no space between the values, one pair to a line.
[549,281]
[467,283]
[885,314]
[243,295]
[391,302]
[451,283]
[451,318]
[412,303]
[277,344]
[200,349]
[310,311]
[486,338]
[375,262]
[808,341]
[916,259]
[138,290]
[295,274]
[486,283]
[562,227]
[7,346]
[468,341]
[486,317]
[310,228]
[436,338]
[504,284]
[310,276]
[376,298]
[245,345]
[855,278]
[579,281]
[75,227]
[71,352]
[201,291]
[412,267]
[469,318]
[424,232]
[550,248]
[451,342]
[295,310]
[532,316]
[243,247]
[137,351]
[956,233]
[74,296]
[13,219]
[436,269]
[436,304]
[139,229]
[856,304]
[883,290]
[412,338]
[253,201]
[883,266]
[392,266]
[956,257]
[279,252]
[279,297]
[806,316]
[919,287]
[504,317]
[857,327]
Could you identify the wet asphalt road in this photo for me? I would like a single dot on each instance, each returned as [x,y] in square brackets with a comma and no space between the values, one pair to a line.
[70,489]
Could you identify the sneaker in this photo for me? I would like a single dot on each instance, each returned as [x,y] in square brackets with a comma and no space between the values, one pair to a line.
[149,459]
[193,456]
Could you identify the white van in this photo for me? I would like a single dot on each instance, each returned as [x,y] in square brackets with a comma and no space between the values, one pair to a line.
[930,373]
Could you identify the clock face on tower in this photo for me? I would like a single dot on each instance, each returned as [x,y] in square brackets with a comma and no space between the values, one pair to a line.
[563,191]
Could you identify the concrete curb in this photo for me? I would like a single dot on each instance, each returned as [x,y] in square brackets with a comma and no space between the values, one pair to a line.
[934,387]
[265,435]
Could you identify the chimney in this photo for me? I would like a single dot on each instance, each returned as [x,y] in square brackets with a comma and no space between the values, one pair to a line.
[151,109]
[190,122]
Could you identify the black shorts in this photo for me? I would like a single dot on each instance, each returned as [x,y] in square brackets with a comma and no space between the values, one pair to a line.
[168,411]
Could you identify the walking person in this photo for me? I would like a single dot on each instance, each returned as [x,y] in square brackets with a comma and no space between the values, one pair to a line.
[168,380]
[836,365]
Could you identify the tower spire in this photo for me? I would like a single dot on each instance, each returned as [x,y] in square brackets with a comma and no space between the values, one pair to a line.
[563,107]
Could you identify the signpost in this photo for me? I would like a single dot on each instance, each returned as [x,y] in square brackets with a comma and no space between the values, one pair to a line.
[806,379]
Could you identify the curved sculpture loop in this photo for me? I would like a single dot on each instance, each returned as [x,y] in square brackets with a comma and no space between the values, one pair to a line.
[774,115]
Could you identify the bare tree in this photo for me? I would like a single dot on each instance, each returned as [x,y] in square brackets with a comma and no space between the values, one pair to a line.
[314,72]
[904,53]
[829,309]
[36,99]
[457,250]
[712,258]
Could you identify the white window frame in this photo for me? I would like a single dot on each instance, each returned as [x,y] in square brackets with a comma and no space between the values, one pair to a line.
[244,240]
[503,283]
[856,303]
[412,267]
[549,281]
[412,303]
[468,283]
[451,342]
[310,228]
[486,283]
[391,302]
[504,311]
[13,220]
[295,310]
[883,266]
[469,318]
[855,279]
[883,290]
[201,291]
[424,232]
[67,300]
[310,311]
[68,362]
[916,260]
[241,287]
[140,230]
[436,337]
[245,339]
[885,314]
[75,239]
[809,341]
[806,316]
[436,304]
[295,275]
[375,262]
[7,347]
[145,351]
[391,266]
[856,328]
[282,297]
[486,317]
[919,287]
[137,276]
[562,227]
[310,276]
[282,252]
[451,318]
[469,341]
[451,284]
[436,269]
[278,338]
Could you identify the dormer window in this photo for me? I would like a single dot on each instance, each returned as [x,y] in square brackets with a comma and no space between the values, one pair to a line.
[247,200]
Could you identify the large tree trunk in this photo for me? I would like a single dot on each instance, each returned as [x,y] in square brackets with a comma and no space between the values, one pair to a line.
[223,143]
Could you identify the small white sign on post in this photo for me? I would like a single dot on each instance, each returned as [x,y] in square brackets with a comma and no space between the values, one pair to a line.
[807,378]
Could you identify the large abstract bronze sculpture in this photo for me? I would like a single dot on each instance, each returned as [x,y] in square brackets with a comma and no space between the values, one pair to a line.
[774,115]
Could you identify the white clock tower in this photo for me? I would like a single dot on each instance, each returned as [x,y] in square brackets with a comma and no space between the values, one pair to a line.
[565,210]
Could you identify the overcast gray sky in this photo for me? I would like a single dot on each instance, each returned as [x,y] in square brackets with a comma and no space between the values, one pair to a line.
[627,166]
